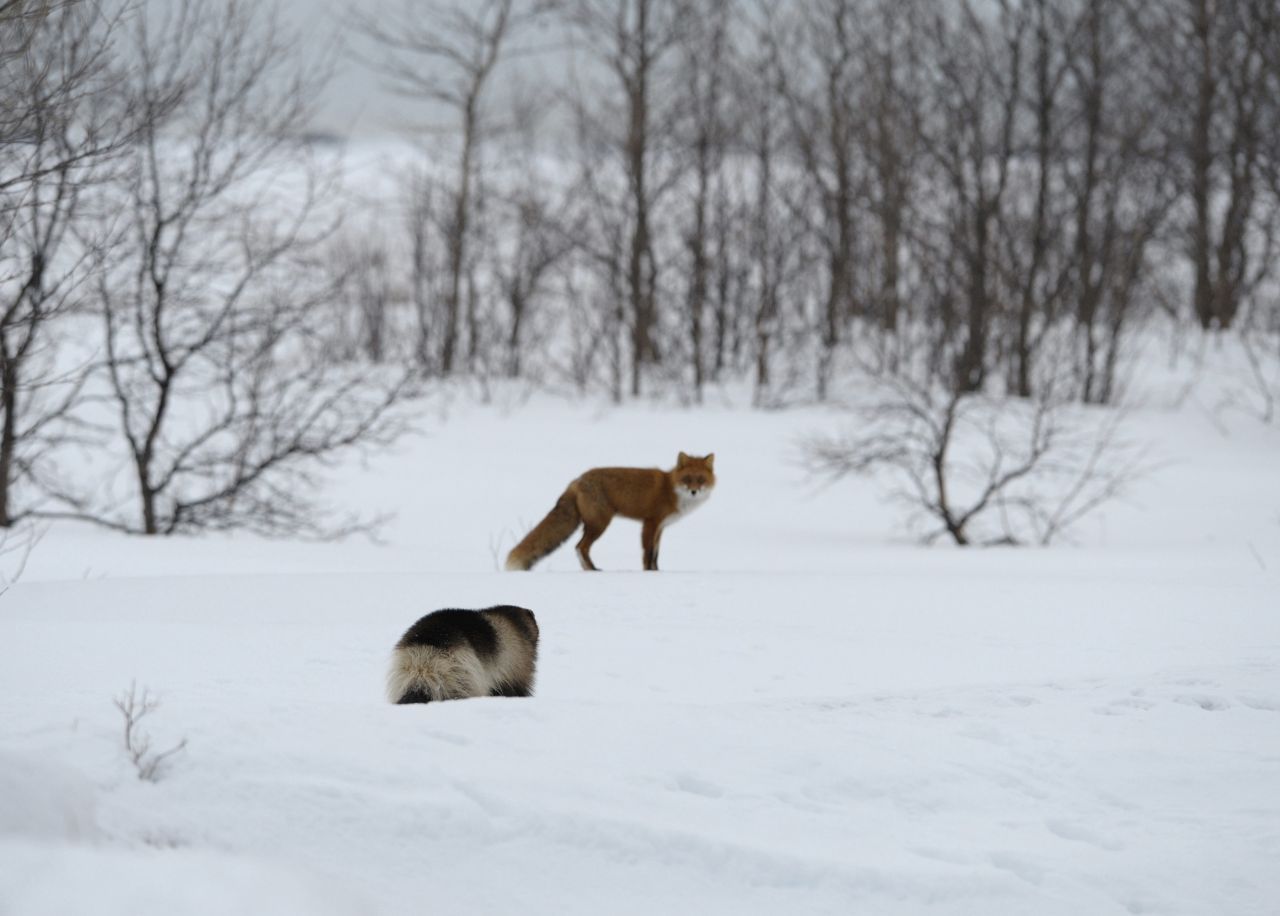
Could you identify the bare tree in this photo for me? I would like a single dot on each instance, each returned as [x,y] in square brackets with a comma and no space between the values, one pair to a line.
[1034,251]
[51,57]
[773,236]
[764,247]
[532,232]
[815,60]
[60,125]
[893,89]
[636,41]
[447,53]
[541,243]
[226,402]
[1214,69]
[969,141]
[705,67]
[425,266]
[1117,188]
[598,299]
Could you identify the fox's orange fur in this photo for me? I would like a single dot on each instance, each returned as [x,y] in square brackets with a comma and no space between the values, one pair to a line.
[655,498]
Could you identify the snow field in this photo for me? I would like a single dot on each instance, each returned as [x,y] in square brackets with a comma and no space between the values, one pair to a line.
[803,713]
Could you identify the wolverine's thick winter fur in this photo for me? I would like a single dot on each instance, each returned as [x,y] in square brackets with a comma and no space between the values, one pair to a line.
[656,498]
[452,654]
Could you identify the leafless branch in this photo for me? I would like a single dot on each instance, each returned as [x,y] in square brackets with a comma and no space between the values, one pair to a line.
[985,471]
[210,294]
[134,707]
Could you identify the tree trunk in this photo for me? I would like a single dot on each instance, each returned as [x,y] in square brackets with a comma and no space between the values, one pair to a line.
[698,281]
[8,432]
[147,496]
[971,366]
[458,242]
[1201,168]
[516,298]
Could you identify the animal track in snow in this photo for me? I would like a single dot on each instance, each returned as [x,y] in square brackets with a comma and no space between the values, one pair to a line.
[1204,701]
[1081,834]
[1118,707]
[696,785]
[1017,866]
[1266,704]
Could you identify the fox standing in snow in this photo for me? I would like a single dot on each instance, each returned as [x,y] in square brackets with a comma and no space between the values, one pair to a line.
[656,498]
[453,654]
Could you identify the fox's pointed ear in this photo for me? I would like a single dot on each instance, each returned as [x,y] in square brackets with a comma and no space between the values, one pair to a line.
[710,461]
[681,460]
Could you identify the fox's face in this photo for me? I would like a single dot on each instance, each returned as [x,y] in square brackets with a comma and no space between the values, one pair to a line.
[695,478]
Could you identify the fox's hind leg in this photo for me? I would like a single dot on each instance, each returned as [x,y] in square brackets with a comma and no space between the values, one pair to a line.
[592,528]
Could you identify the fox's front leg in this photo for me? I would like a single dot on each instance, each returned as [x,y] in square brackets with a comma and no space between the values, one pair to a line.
[649,536]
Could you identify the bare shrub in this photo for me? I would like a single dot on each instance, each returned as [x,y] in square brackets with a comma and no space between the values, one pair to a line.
[211,294]
[134,707]
[981,470]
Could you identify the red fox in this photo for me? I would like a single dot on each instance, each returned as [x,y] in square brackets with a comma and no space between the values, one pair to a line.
[656,498]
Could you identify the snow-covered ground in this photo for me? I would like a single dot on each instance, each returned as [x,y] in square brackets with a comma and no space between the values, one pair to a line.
[803,713]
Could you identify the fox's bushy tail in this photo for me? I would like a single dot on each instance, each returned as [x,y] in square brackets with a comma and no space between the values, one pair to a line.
[548,534]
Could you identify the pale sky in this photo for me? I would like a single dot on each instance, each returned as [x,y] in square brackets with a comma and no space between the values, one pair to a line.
[355,103]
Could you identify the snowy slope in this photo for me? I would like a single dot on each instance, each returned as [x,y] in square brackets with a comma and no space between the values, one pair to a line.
[803,713]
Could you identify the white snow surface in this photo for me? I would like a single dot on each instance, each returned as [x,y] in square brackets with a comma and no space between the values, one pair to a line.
[803,713]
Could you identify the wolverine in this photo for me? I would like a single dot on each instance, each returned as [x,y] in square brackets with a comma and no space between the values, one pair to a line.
[653,497]
[452,654]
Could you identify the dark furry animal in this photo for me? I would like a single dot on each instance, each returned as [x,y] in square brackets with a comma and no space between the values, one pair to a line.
[453,654]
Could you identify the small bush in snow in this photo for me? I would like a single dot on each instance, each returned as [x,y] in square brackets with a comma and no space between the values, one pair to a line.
[985,470]
[137,744]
